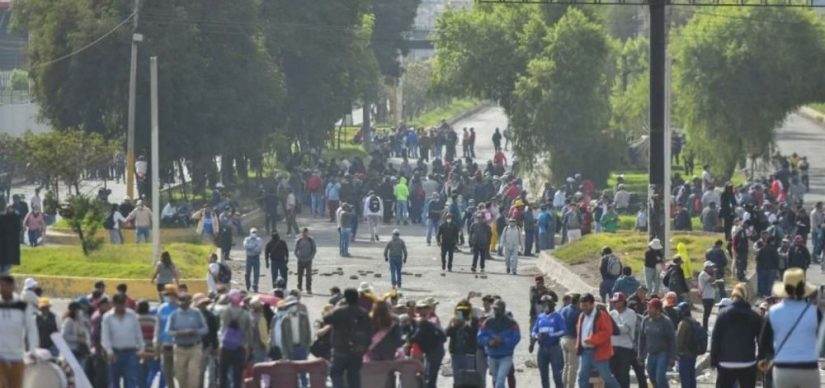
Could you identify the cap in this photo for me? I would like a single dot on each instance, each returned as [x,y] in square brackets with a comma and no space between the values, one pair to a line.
[655,302]
[44,302]
[724,302]
[396,232]
[709,264]
[618,297]
[200,299]
[253,231]
[170,290]
[547,298]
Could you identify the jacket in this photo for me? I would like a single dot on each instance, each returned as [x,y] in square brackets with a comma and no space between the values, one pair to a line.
[463,338]
[200,217]
[253,246]
[142,217]
[548,329]
[511,237]
[395,248]
[735,334]
[506,329]
[305,249]
[401,191]
[626,284]
[601,337]
[17,323]
[305,336]
[717,256]
[480,234]
[799,257]
[276,251]
[448,234]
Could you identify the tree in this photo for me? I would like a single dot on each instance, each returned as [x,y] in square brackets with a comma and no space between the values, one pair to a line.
[738,77]
[85,216]
[64,156]
[630,95]
[561,105]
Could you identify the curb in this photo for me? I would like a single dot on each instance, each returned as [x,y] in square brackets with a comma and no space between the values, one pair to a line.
[558,271]
[813,115]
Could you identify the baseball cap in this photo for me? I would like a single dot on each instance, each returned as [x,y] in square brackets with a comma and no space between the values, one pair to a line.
[618,297]
[725,302]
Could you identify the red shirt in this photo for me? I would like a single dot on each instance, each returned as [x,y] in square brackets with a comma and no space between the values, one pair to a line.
[499,158]
[314,184]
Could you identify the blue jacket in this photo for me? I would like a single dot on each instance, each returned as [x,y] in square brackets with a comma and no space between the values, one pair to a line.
[505,328]
[552,325]
[570,314]
[626,284]
[546,224]
[164,312]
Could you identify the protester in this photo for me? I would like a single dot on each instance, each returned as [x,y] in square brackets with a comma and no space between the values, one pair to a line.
[570,313]
[707,290]
[165,273]
[623,343]
[427,341]
[657,343]
[654,257]
[610,268]
[253,245]
[480,235]
[305,250]
[593,342]
[187,327]
[547,332]
[512,243]
[463,346]
[46,325]
[141,217]
[122,340]
[689,338]
[396,254]
[351,336]
[276,256]
[164,342]
[499,336]
[373,213]
[234,337]
[18,333]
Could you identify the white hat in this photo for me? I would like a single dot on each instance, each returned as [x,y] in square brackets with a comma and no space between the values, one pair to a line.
[139,202]
[396,231]
[29,283]
[655,244]
[253,231]
[364,287]
[725,302]
[709,264]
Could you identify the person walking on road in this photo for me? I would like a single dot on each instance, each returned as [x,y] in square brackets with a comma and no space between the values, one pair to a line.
[235,338]
[305,250]
[345,220]
[593,342]
[610,268]
[570,313]
[351,336]
[496,140]
[499,336]
[402,197]
[623,343]
[435,208]
[687,344]
[187,326]
[511,241]
[547,332]
[480,235]
[396,254]
[733,342]
[253,246]
[142,219]
[122,340]
[447,239]
[373,212]
[276,255]
[657,343]
[291,213]
[546,229]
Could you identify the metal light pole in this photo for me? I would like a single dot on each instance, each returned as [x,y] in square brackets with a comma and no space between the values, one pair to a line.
[153,75]
[656,190]
[130,131]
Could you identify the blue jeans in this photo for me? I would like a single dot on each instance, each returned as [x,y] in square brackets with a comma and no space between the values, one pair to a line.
[300,353]
[316,204]
[149,370]
[432,228]
[349,363]
[499,369]
[253,267]
[142,231]
[34,235]
[606,288]
[124,367]
[587,363]
[395,270]
[764,281]
[657,369]
[511,258]
[652,280]
[343,244]
[687,371]
[548,357]
[402,212]
[547,241]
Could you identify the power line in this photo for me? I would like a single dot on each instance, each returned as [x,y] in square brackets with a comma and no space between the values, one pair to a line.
[86,47]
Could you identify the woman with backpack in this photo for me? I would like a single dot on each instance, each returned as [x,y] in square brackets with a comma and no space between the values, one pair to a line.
[165,273]
[691,341]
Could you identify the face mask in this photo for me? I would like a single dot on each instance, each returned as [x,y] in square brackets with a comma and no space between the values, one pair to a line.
[498,313]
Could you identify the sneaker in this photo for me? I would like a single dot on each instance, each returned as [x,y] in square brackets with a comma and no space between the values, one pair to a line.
[376,238]
[482,269]
[473,269]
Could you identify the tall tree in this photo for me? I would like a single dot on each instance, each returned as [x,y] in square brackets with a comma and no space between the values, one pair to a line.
[738,76]
[561,105]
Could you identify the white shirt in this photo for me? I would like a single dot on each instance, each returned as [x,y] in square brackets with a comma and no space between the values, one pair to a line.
[626,321]
[118,219]
[587,327]
[211,276]
[121,332]
[141,166]
[558,199]
[35,201]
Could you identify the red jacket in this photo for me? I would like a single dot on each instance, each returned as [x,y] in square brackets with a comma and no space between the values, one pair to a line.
[602,331]
[314,184]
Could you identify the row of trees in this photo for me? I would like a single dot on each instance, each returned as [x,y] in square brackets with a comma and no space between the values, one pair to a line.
[574,80]
[236,80]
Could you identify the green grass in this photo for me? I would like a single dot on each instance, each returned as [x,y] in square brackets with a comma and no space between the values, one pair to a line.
[634,181]
[445,112]
[128,261]
[628,222]
[818,106]
[631,247]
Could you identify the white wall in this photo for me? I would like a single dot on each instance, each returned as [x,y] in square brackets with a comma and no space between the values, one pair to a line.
[15,119]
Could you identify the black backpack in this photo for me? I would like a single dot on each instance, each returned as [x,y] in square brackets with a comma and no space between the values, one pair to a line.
[698,338]
[361,337]
[109,222]
[374,204]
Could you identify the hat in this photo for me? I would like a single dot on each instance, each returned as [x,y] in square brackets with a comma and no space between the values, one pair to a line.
[44,302]
[422,303]
[655,244]
[431,302]
[547,298]
[670,298]
[29,283]
[139,202]
[364,287]
[618,297]
[655,302]
[200,299]
[253,231]
[396,232]
[724,302]
[792,278]
[683,308]
[170,290]
[677,259]
[518,203]
[708,264]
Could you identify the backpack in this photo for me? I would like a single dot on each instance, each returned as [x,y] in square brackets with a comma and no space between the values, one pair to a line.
[232,338]
[698,338]
[361,337]
[374,204]
[613,324]
[614,265]
[109,222]
[224,273]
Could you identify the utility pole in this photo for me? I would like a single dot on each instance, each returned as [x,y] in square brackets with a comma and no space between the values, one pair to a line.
[130,131]
[153,80]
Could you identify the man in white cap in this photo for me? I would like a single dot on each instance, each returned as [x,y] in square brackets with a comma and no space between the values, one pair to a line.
[142,218]
[653,258]
[373,212]
[253,246]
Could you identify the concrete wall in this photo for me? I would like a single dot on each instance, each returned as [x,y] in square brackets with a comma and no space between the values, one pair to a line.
[15,119]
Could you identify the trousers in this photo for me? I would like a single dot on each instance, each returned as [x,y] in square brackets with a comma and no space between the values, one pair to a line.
[652,280]
[279,269]
[188,365]
[305,267]
[373,222]
[571,361]
[396,263]
[447,257]
[511,259]
[253,272]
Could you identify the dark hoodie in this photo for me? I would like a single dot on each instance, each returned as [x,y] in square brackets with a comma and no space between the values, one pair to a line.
[276,250]
[735,334]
